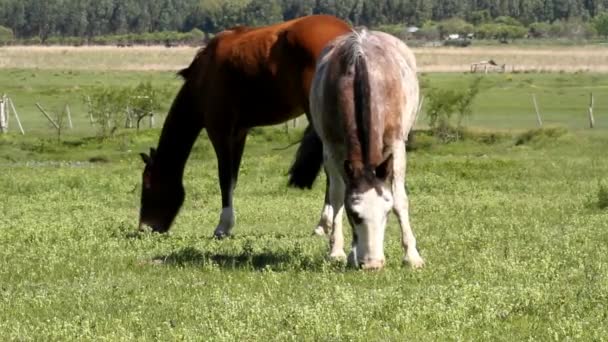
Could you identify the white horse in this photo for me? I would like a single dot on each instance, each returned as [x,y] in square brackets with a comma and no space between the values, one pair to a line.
[363,101]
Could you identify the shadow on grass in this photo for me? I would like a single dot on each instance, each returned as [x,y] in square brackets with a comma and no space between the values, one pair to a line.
[283,260]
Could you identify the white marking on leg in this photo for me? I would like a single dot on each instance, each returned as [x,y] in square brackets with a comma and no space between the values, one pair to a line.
[325,222]
[336,200]
[401,207]
[227,222]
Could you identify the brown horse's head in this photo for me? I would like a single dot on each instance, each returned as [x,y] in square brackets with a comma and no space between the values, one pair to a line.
[161,196]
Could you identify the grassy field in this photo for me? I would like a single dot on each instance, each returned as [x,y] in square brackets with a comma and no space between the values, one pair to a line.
[513,233]
[512,222]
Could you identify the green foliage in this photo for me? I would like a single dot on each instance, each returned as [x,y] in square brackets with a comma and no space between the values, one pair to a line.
[87,19]
[107,108]
[501,32]
[601,24]
[444,106]
[111,107]
[540,30]
[428,31]
[6,35]
[602,196]
[454,26]
[144,100]
[541,136]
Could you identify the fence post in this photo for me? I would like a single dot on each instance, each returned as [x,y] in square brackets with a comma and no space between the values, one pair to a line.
[538,118]
[69,114]
[3,115]
[591,118]
[47,116]
[16,116]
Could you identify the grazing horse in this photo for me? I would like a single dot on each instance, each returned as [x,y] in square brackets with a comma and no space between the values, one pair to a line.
[244,77]
[363,103]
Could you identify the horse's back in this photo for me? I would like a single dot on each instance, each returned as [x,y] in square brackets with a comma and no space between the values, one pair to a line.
[393,85]
[392,68]
[264,73]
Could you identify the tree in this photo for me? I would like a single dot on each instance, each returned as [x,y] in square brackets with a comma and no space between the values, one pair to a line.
[6,35]
[601,24]
[454,25]
[262,12]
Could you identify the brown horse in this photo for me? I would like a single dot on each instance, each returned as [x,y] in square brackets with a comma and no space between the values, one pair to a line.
[363,104]
[244,77]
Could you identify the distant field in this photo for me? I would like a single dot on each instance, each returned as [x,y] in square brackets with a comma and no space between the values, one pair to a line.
[559,58]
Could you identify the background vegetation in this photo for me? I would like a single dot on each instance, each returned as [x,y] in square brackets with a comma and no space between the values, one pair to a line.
[81,21]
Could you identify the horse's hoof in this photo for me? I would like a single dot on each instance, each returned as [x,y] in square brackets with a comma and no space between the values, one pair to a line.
[415,261]
[221,235]
[337,256]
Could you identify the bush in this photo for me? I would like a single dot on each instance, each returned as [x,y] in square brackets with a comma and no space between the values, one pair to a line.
[143,101]
[541,136]
[573,28]
[453,26]
[445,105]
[429,32]
[107,109]
[540,30]
[602,196]
[499,31]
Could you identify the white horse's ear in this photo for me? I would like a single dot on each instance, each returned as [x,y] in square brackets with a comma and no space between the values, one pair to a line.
[384,170]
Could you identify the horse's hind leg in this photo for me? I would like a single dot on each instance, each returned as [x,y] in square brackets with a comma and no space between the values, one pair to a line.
[326,220]
[336,189]
[229,150]
[401,207]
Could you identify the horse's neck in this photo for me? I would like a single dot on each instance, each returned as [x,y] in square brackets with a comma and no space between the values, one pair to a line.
[178,135]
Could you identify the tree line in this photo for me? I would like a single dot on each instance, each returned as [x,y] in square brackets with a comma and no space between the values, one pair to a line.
[87,19]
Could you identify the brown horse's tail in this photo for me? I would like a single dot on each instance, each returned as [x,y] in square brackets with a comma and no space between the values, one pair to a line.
[308,161]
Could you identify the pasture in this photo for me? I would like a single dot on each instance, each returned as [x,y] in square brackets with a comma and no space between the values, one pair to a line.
[512,223]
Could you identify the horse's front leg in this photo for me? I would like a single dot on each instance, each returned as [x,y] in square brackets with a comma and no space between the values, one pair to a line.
[229,150]
[401,207]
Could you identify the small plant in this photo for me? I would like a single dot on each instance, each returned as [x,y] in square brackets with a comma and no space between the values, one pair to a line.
[143,101]
[107,107]
[445,105]
[61,121]
[602,196]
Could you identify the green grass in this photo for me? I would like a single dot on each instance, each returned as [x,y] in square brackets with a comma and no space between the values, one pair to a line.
[504,103]
[512,223]
[515,241]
